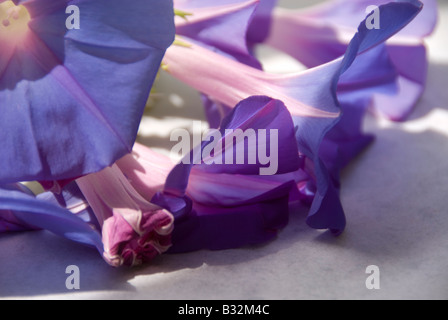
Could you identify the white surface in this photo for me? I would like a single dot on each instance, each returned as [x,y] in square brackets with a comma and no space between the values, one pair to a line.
[395,197]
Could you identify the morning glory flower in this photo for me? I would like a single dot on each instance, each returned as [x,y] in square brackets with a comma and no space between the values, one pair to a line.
[384,78]
[72,99]
[215,206]
[111,217]
[310,96]
[211,205]
[220,206]
[379,80]
[133,230]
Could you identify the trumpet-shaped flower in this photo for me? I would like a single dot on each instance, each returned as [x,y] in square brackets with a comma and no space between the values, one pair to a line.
[310,96]
[71,99]
[216,205]
[133,230]
[384,78]
[112,217]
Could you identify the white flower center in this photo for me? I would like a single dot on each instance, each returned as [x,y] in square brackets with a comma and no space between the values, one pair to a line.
[13,23]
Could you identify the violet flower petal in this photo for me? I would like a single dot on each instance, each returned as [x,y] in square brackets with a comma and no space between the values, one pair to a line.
[221,227]
[245,207]
[310,97]
[41,214]
[222,25]
[75,87]
[326,211]
[229,26]
[72,199]
[327,30]
[260,26]
[257,112]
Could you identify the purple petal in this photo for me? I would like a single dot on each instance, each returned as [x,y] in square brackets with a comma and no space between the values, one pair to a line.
[254,113]
[220,227]
[214,111]
[326,211]
[327,30]
[42,214]
[261,23]
[309,96]
[71,198]
[246,207]
[222,25]
[78,86]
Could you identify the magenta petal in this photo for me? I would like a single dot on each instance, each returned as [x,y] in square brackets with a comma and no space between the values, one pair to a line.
[133,230]
[245,207]
[224,227]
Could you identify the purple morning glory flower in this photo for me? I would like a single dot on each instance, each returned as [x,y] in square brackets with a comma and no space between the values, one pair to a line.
[106,213]
[232,199]
[310,96]
[380,79]
[133,230]
[219,206]
[384,78]
[216,204]
[72,99]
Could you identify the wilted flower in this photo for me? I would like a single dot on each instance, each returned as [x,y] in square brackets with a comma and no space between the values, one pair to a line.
[218,205]
[112,217]
[310,96]
[133,230]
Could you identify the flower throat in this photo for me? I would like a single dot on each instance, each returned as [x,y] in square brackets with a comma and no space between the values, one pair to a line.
[13,22]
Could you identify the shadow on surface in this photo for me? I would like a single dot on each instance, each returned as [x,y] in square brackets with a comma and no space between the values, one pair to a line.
[34,263]
[395,192]
[435,95]
[37,263]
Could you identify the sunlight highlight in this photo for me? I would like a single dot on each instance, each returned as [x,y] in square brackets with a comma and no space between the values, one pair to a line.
[13,23]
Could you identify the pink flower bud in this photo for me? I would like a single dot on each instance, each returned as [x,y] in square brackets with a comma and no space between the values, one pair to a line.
[133,230]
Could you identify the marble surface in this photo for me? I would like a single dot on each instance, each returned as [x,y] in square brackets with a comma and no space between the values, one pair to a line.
[395,196]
